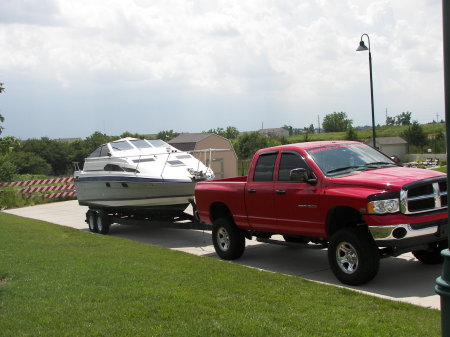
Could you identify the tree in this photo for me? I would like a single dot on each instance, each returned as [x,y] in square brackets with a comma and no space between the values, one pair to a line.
[9,144]
[54,152]
[336,122]
[415,135]
[97,139]
[390,121]
[248,143]
[351,134]
[403,119]
[310,129]
[438,143]
[289,128]
[306,137]
[166,135]
[30,163]
[219,131]
[7,169]
[232,132]
[132,135]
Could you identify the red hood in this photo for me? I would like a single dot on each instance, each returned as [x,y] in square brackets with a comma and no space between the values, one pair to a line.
[390,178]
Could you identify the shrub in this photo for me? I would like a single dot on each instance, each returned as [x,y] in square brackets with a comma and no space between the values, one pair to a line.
[7,169]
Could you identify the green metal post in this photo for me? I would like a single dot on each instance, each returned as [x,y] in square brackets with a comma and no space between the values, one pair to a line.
[443,282]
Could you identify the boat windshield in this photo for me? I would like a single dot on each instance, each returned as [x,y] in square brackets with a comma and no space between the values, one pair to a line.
[157,143]
[141,143]
[121,146]
[344,158]
[101,151]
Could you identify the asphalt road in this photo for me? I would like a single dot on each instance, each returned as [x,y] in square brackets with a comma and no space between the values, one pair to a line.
[401,279]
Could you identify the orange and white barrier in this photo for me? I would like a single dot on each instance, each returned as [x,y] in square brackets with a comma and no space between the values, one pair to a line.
[38,182]
[50,185]
[47,188]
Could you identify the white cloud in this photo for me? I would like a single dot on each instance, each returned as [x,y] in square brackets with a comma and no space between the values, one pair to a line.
[296,56]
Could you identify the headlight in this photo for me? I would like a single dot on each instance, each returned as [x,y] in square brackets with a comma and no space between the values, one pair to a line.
[383,206]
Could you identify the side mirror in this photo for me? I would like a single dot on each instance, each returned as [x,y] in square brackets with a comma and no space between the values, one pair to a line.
[299,175]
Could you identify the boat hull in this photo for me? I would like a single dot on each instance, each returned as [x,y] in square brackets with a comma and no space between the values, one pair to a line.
[139,194]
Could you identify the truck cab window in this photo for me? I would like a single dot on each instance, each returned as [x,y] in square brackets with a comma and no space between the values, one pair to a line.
[264,167]
[288,162]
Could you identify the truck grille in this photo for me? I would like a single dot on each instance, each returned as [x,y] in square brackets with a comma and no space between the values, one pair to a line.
[424,196]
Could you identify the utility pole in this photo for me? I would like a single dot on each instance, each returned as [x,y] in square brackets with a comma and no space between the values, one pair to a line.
[318,123]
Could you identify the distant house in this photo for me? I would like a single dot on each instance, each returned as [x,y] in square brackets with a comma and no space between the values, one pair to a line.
[276,132]
[392,146]
[223,160]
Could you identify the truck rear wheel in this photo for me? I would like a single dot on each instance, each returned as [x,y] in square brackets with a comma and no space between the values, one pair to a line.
[353,256]
[228,240]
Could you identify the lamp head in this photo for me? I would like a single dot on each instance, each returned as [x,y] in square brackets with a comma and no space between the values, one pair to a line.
[362,46]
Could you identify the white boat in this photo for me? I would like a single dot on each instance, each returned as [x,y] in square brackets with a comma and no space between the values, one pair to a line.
[139,176]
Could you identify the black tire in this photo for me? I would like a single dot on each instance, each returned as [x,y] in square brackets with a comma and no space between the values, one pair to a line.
[353,256]
[228,240]
[295,239]
[103,223]
[431,256]
[91,219]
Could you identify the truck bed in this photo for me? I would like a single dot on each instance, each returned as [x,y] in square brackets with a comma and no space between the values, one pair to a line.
[230,191]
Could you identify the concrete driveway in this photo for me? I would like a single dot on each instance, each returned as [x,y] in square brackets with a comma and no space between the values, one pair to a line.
[401,279]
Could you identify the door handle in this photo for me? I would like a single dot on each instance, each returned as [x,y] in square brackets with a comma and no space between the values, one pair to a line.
[251,191]
[280,191]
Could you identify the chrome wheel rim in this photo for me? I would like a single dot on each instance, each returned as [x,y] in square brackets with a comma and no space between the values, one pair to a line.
[223,239]
[347,258]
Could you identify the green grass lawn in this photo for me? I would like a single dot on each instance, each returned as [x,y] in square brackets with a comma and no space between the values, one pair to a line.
[442,169]
[58,281]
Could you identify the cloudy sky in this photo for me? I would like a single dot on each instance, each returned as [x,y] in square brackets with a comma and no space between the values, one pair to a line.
[71,68]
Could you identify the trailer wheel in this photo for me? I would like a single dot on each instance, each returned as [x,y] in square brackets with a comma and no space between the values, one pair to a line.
[353,256]
[103,223]
[92,221]
[228,240]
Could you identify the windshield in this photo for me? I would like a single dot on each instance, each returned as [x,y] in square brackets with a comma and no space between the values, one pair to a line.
[158,143]
[140,143]
[338,159]
[121,146]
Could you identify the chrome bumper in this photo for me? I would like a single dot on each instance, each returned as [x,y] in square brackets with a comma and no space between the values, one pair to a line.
[400,231]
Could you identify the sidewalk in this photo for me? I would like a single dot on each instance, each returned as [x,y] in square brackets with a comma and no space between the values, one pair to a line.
[400,279]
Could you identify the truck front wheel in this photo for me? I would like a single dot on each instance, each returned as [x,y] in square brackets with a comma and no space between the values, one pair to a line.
[228,240]
[353,256]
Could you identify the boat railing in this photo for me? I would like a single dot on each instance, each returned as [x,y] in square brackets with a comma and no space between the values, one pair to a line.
[76,166]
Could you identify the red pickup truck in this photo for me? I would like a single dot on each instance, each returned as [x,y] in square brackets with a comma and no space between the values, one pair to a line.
[343,195]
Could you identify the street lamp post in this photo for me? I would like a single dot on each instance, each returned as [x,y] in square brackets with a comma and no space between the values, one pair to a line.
[362,47]
[443,282]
